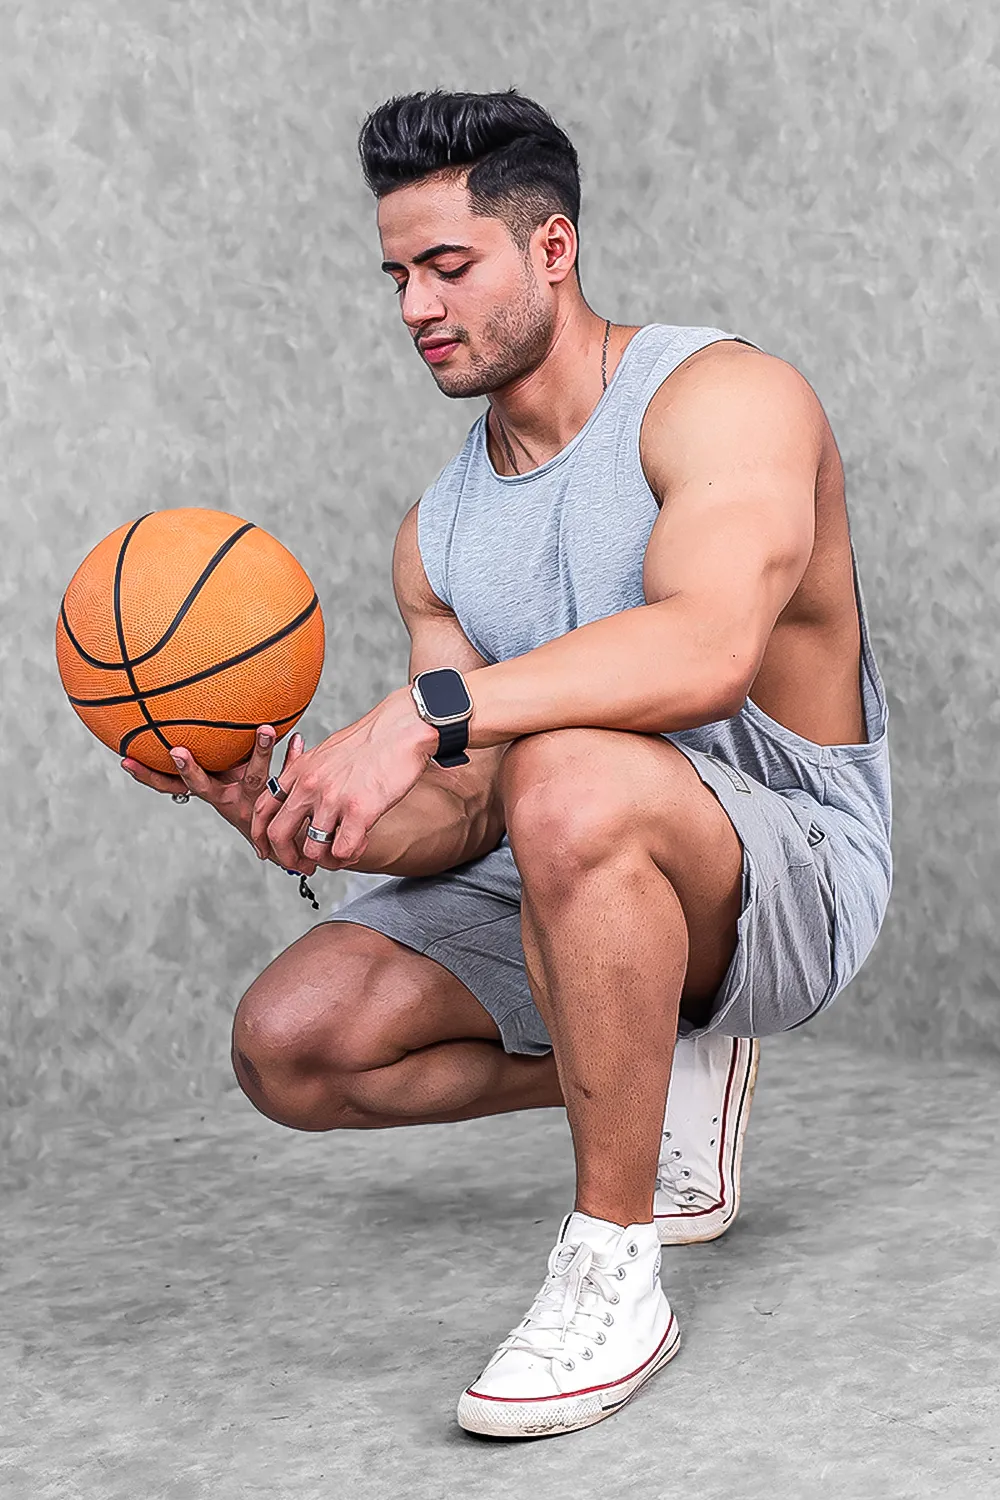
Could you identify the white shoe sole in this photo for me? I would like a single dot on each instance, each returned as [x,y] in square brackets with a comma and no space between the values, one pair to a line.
[707,1224]
[547,1416]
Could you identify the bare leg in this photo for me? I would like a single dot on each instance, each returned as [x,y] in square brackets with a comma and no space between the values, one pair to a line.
[348,1029]
[606,955]
[439,1084]
[630,888]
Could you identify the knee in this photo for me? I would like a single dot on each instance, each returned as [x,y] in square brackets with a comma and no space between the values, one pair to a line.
[281,1056]
[297,1040]
[566,811]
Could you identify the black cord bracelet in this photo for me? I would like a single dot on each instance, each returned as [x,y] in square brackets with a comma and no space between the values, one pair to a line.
[304,890]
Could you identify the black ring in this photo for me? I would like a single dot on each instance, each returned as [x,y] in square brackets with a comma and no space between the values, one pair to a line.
[276,789]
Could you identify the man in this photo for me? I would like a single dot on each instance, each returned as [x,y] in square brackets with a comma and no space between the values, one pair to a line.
[657,824]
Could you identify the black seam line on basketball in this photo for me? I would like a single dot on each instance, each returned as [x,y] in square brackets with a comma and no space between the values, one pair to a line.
[120,632]
[129,738]
[222,666]
[137,661]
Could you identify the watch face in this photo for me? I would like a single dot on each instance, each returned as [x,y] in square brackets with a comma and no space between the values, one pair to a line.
[443,693]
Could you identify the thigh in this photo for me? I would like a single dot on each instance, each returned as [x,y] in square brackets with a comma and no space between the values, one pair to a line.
[357,999]
[468,919]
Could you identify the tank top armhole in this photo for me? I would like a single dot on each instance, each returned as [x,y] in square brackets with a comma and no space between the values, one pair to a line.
[431,537]
[436,516]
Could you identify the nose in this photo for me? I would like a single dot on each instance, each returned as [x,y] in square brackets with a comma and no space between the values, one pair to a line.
[420,305]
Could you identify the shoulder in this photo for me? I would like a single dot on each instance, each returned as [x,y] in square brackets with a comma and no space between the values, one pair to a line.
[724,397]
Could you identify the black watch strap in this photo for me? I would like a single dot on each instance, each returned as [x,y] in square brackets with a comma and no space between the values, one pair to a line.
[452,740]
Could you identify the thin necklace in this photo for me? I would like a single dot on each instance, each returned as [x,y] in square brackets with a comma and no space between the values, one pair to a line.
[604,385]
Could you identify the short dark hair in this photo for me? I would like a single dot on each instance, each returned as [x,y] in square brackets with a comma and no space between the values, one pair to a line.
[523,166]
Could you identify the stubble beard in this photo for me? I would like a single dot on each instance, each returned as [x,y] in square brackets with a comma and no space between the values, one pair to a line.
[515,340]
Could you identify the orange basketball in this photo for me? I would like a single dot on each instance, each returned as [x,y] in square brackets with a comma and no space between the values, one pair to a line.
[189,627]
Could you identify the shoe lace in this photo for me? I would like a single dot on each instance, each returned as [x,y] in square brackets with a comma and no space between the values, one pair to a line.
[674,1177]
[574,1280]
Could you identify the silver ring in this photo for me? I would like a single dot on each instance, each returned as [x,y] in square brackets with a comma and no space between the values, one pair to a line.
[180,796]
[318,836]
[276,789]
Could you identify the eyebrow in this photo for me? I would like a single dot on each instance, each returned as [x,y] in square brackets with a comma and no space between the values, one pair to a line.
[418,260]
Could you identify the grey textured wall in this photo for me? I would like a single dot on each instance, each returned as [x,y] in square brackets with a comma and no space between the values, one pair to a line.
[194,315]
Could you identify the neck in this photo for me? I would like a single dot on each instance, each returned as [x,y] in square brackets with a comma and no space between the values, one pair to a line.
[544,410]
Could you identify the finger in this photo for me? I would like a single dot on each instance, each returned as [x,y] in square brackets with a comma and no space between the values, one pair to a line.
[154,779]
[295,747]
[267,805]
[259,765]
[197,781]
[313,849]
[303,863]
[352,835]
[286,831]
[346,821]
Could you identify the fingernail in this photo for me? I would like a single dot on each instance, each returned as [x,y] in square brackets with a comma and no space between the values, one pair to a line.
[177,759]
[265,741]
[298,741]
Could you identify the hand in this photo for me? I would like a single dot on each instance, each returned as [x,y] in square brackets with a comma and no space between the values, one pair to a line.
[343,786]
[233,793]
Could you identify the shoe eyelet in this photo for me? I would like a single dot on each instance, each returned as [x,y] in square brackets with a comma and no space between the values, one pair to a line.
[689,1197]
[684,1172]
[600,1339]
[668,1135]
[675,1154]
[588,1353]
[609,1319]
[711,1143]
[715,1119]
[570,1364]
[620,1273]
[633,1249]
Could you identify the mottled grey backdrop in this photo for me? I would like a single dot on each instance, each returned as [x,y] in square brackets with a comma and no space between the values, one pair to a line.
[193,314]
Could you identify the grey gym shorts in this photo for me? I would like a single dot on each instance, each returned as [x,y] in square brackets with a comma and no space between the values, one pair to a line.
[813,904]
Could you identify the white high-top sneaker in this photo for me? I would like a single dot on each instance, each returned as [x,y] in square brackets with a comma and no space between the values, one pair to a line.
[708,1105]
[598,1328]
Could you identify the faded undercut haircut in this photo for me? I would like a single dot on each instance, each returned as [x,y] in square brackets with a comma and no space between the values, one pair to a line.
[523,167]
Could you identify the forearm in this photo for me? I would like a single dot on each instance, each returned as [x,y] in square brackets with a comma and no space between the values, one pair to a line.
[652,669]
[430,830]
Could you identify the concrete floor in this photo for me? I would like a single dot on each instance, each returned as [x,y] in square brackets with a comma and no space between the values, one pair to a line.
[202,1305]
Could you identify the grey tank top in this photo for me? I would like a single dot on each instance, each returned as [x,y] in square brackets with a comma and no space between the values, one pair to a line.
[523,558]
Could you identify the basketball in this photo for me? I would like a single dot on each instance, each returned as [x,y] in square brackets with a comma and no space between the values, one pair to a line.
[189,627]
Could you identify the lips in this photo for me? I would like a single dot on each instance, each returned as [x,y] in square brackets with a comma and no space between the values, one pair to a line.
[438,349]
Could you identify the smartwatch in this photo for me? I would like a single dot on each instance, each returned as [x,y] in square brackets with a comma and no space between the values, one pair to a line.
[443,700]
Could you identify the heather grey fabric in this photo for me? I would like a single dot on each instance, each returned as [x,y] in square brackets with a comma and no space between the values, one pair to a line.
[524,558]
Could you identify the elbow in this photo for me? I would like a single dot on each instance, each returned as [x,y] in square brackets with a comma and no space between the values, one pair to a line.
[728,698]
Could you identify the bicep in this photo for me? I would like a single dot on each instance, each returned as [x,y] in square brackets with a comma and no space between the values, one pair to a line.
[734,463]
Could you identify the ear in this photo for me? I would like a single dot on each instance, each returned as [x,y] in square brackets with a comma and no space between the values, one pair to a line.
[559,246]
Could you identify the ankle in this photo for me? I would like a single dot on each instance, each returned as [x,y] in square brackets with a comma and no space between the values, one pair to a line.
[617,1213]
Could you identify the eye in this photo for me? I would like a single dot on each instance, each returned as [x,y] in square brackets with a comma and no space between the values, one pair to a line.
[454,275]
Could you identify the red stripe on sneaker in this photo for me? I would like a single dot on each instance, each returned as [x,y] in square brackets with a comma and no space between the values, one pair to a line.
[713,1208]
[586,1390]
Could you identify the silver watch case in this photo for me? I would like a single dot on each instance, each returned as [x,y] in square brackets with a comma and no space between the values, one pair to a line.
[425,712]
